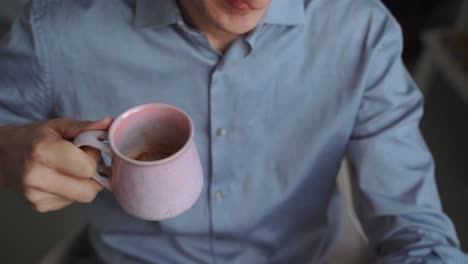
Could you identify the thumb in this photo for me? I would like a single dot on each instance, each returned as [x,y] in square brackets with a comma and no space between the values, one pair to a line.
[70,128]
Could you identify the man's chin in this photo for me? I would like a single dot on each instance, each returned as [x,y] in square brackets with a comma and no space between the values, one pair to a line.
[238,29]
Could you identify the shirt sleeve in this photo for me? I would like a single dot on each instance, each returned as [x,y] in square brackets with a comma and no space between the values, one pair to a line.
[24,85]
[397,199]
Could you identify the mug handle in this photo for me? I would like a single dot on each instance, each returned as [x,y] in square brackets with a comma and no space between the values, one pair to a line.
[98,140]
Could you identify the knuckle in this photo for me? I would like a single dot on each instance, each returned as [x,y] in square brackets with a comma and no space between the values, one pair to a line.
[38,153]
[87,196]
[33,179]
[44,128]
[31,195]
[40,208]
[89,169]
[29,177]
[28,166]
[26,180]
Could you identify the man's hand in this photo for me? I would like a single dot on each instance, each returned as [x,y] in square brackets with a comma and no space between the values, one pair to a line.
[41,163]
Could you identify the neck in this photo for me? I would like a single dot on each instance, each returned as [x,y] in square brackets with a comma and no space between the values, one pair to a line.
[219,40]
[221,43]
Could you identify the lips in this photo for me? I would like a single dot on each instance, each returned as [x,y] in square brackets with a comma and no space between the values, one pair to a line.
[257,4]
[245,5]
[239,5]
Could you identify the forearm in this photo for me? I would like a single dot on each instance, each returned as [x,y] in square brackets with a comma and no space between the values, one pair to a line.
[398,200]
[419,237]
[399,203]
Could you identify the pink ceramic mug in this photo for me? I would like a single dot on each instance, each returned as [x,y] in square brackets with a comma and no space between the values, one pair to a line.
[150,190]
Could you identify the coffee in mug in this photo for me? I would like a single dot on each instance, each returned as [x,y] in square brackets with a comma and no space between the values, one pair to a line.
[153,151]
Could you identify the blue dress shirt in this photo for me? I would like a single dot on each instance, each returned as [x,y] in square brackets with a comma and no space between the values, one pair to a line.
[274,117]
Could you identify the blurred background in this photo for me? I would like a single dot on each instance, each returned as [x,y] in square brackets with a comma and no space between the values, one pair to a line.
[436,53]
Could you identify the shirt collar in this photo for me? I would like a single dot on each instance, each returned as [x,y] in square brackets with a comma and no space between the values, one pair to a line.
[156,13]
[285,12]
[159,13]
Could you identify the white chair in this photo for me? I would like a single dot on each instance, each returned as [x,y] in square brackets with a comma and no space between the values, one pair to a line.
[353,246]
[9,9]
[438,60]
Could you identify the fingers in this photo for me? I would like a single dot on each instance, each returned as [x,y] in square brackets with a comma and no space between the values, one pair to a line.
[66,158]
[54,152]
[52,206]
[71,188]
[70,128]
[43,161]
[93,153]
[44,202]
[35,195]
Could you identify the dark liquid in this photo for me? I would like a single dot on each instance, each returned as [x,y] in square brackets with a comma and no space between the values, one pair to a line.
[153,152]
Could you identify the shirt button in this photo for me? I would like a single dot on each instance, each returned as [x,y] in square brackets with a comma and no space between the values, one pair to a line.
[221,132]
[219,196]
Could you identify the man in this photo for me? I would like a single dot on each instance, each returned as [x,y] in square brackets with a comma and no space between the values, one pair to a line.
[279,91]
